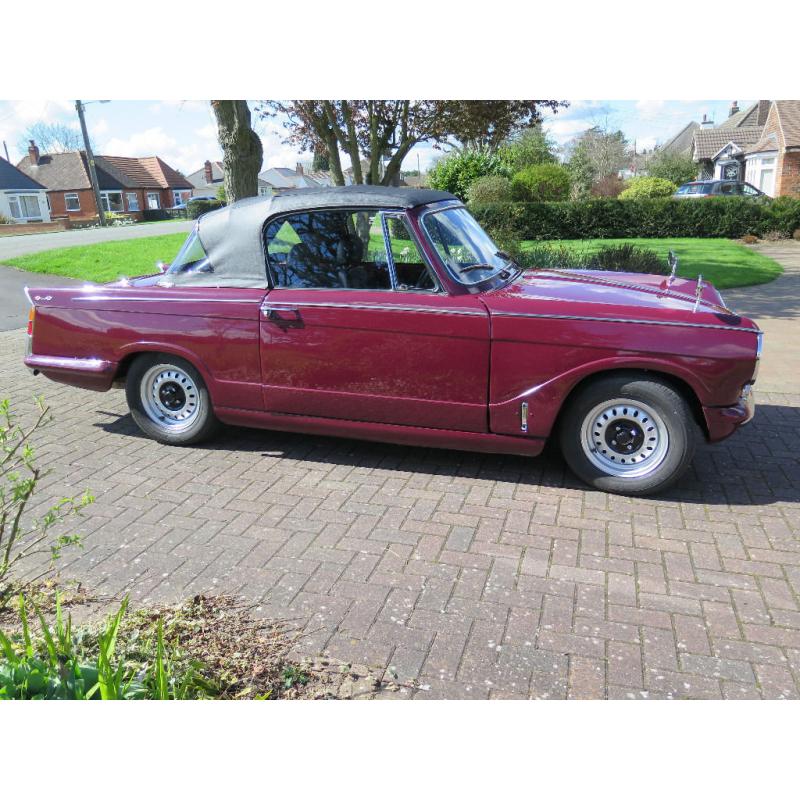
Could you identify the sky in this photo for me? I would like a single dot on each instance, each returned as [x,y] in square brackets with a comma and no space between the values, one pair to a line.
[183,132]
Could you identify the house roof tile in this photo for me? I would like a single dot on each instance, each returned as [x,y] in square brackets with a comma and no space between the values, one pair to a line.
[709,141]
[15,179]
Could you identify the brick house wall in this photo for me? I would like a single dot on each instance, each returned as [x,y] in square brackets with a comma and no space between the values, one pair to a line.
[88,209]
[788,175]
[58,205]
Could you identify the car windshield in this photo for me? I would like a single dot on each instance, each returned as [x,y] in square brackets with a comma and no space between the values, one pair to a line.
[468,253]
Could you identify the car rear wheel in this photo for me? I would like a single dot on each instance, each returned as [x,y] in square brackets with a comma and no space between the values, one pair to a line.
[628,435]
[169,400]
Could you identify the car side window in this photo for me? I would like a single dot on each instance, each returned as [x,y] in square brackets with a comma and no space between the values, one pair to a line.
[328,249]
[410,268]
[749,190]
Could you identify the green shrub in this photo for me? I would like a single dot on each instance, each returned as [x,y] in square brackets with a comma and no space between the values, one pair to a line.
[490,189]
[541,182]
[4,220]
[628,258]
[196,208]
[458,171]
[647,187]
[729,218]
[613,258]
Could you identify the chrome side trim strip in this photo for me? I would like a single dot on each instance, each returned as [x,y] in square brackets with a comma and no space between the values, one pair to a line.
[619,319]
[375,307]
[165,299]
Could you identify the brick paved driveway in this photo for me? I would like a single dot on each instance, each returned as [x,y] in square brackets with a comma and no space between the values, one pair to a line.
[480,576]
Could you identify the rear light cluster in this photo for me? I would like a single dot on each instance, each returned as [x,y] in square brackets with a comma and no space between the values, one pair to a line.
[31,317]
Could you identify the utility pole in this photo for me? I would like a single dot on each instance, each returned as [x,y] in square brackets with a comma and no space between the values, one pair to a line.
[90,158]
[5,147]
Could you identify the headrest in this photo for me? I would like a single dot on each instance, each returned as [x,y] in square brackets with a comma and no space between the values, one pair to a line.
[349,250]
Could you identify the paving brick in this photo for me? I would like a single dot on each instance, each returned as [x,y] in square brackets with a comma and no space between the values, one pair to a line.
[467,572]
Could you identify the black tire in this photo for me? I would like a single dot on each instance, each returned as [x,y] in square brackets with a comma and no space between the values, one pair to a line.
[584,424]
[200,425]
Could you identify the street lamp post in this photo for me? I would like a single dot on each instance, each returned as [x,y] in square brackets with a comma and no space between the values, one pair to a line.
[79,106]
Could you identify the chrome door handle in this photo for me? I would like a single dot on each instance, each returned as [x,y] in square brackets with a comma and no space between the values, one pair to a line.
[274,313]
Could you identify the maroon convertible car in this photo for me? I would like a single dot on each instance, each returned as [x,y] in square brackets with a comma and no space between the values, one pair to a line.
[388,314]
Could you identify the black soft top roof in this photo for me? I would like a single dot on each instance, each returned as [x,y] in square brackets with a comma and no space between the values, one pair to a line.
[357,195]
[233,235]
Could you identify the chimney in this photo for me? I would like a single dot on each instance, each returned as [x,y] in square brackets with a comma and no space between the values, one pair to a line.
[707,123]
[734,108]
[299,168]
[33,153]
[209,172]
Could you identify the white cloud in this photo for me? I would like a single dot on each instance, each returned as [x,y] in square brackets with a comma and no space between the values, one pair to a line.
[145,143]
[648,109]
[562,130]
[207,132]
[98,128]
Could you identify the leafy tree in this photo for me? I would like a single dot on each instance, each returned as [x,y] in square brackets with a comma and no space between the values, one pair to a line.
[242,153]
[458,171]
[595,154]
[648,187]
[383,132]
[541,182]
[321,161]
[51,137]
[676,167]
[529,147]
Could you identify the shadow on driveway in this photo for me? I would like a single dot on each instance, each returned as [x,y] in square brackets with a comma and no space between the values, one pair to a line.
[758,465]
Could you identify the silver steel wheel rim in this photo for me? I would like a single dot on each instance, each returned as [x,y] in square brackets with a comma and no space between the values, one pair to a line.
[625,438]
[170,397]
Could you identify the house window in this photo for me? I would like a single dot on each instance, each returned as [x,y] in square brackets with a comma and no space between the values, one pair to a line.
[25,206]
[112,201]
[153,201]
[178,196]
[72,201]
[761,173]
[133,201]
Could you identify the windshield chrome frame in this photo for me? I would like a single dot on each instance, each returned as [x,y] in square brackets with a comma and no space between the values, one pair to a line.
[458,278]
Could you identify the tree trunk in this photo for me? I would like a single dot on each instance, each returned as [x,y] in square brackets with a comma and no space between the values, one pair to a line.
[242,153]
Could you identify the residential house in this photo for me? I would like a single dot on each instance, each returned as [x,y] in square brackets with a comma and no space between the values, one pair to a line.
[284,179]
[773,162]
[22,199]
[719,150]
[127,185]
[208,180]
[681,143]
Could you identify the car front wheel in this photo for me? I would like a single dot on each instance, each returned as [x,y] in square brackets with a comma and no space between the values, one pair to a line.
[627,435]
[169,400]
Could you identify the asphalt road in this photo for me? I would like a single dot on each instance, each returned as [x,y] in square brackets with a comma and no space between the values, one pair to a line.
[13,246]
[13,303]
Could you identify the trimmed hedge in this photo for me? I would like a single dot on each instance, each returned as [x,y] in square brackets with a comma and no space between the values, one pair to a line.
[196,208]
[607,218]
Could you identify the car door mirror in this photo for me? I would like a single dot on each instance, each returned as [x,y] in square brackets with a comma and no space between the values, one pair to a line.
[162,267]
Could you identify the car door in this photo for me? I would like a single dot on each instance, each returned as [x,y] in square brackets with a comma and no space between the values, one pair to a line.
[342,337]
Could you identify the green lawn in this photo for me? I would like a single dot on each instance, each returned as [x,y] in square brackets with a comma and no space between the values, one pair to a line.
[106,261]
[723,262]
